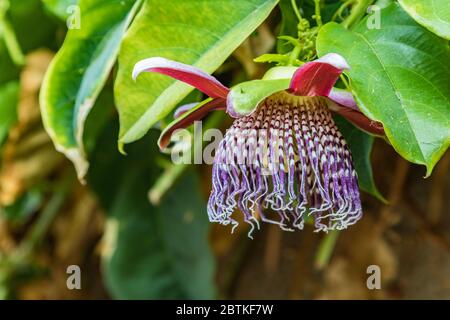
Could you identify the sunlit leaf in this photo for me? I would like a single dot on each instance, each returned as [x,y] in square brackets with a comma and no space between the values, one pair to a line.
[60,8]
[399,76]
[79,71]
[433,15]
[200,33]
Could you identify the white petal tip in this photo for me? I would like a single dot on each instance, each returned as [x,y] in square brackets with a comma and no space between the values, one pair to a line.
[134,75]
[136,71]
[336,60]
[149,63]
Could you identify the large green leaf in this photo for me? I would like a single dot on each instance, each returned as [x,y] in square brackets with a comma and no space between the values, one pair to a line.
[400,76]
[360,144]
[9,95]
[201,33]
[152,252]
[79,71]
[432,14]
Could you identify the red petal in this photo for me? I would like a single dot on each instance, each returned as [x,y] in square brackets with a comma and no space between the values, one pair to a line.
[360,120]
[183,109]
[183,72]
[317,78]
[188,118]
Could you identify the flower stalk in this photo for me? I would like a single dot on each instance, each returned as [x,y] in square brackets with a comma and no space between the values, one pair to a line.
[325,250]
[317,14]
[9,36]
[357,12]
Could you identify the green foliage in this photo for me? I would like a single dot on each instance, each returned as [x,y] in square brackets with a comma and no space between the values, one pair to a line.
[400,75]
[399,78]
[434,15]
[80,70]
[15,36]
[60,8]
[152,252]
[31,25]
[200,33]
[9,71]
[288,25]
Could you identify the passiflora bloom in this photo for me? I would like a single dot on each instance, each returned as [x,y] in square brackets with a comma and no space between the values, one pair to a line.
[283,155]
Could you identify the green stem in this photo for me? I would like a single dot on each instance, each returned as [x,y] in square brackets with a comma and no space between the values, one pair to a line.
[294,55]
[317,15]
[359,9]
[8,34]
[296,11]
[165,182]
[325,250]
[341,9]
[344,80]
[12,44]
[45,219]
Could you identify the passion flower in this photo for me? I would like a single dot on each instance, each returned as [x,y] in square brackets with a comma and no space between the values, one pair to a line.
[286,155]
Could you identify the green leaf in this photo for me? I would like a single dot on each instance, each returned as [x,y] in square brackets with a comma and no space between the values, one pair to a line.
[80,70]
[399,76]
[151,252]
[200,33]
[360,144]
[9,96]
[433,15]
[60,8]
[246,95]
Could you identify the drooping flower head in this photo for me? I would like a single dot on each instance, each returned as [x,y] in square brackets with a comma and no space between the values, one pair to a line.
[285,155]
